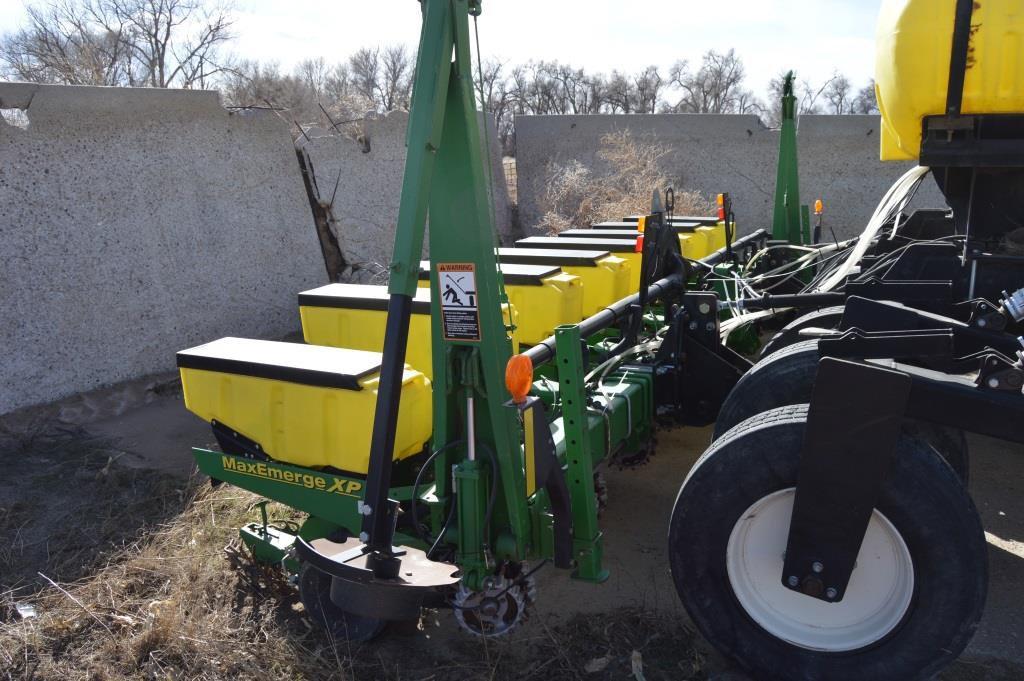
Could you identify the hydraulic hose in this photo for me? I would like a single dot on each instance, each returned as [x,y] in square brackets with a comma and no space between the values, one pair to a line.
[545,350]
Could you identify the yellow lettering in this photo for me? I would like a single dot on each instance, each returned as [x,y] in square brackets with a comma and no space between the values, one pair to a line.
[321,483]
[354,486]
[227,463]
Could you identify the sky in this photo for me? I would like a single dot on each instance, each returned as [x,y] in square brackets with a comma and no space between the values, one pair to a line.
[814,37]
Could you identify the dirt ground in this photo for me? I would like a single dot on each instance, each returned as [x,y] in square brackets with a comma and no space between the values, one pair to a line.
[635,617]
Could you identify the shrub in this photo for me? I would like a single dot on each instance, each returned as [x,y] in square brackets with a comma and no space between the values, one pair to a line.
[578,196]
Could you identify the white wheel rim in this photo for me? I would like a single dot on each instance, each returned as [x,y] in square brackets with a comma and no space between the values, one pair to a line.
[876,599]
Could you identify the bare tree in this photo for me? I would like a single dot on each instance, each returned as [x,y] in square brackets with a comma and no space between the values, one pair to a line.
[716,87]
[314,73]
[253,83]
[364,66]
[383,77]
[647,88]
[397,69]
[866,101]
[155,43]
[553,88]
[618,93]
[837,94]
[65,42]
[314,93]
[496,99]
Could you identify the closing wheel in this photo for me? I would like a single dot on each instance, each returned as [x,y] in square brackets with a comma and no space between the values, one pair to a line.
[916,592]
[787,377]
[315,594]
[825,318]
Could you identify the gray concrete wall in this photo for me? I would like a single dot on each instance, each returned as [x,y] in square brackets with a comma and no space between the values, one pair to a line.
[134,223]
[735,153]
[360,181]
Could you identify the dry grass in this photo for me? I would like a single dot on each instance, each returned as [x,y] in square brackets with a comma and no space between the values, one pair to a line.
[183,602]
[135,574]
[159,587]
[577,196]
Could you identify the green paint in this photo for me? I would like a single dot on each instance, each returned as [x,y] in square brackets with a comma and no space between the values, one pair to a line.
[471,483]
[786,217]
[587,537]
[326,495]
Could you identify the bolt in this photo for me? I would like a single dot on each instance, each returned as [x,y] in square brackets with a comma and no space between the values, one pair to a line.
[982,323]
[831,593]
[817,567]
[693,326]
[363,537]
[710,326]
[793,581]
[993,382]
[704,308]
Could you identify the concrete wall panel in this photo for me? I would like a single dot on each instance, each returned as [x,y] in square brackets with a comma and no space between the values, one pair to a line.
[361,181]
[134,223]
[735,153]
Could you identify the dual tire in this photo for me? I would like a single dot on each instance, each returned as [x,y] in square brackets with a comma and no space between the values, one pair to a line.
[787,377]
[917,590]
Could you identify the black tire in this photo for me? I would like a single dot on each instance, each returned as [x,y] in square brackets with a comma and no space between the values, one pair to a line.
[825,318]
[922,499]
[315,594]
[787,377]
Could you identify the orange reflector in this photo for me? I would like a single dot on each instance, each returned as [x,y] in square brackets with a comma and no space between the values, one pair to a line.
[720,200]
[639,244]
[641,223]
[519,377]
[819,207]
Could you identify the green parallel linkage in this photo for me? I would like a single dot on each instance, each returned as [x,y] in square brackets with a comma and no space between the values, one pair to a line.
[621,414]
[587,537]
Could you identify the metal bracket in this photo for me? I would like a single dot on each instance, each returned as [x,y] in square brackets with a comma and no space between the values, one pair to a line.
[1000,373]
[233,442]
[872,315]
[588,542]
[855,343]
[903,291]
[852,428]
[695,370]
[982,314]
[543,470]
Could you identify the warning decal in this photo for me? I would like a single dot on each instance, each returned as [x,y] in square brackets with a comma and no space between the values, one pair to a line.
[459,311]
